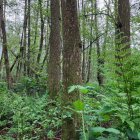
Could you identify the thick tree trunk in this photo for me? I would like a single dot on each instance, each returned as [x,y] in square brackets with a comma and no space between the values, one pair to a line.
[71,65]
[123,49]
[123,25]
[122,32]
[5,50]
[54,74]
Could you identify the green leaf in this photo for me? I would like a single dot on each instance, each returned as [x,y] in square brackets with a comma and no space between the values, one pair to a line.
[131,124]
[98,129]
[113,130]
[122,117]
[83,90]
[132,134]
[79,105]
[102,129]
[72,88]
[139,136]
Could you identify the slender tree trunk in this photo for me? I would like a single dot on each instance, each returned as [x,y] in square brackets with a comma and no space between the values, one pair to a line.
[83,44]
[47,44]
[42,32]
[99,60]
[47,50]
[5,45]
[90,48]
[36,27]
[19,62]
[35,36]
[24,47]
[106,34]
[29,37]
[71,65]
[1,63]
[22,66]
[14,63]
[54,72]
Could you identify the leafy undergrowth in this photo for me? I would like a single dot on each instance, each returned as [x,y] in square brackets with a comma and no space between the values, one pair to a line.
[28,117]
[111,110]
[106,113]
[104,110]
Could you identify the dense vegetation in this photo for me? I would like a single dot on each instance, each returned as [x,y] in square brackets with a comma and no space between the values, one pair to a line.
[69,70]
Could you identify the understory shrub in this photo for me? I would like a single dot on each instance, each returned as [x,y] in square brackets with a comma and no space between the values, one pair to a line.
[28,118]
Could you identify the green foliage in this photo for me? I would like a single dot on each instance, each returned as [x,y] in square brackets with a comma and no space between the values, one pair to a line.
[31,86]
[82,89]
[113,111]
[79,105]
[102,129]
[24,117]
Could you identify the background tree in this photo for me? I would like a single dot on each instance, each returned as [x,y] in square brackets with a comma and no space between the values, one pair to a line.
[54,73]
[5,44]
[29,37]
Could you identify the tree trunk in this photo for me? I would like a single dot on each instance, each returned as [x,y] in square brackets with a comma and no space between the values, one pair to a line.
[29,37]
[24,55]
[106,33]
[47,44]
[54,74]
[5,50]
[122,32]
[99,60]
[21,66]
[42,32]
[71,65]
[83,44]
[123,25]
[90,44]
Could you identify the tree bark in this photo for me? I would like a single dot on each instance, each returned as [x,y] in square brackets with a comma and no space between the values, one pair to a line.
[22,66]
[122,33]
[29,37]
[5,45]
[54,72]
[42,31]
[90,43]
[123,23]
[83,45]
[71,65]
[25,39]
[99,60]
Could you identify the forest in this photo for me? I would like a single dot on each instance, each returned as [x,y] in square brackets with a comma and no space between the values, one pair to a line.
[69,69]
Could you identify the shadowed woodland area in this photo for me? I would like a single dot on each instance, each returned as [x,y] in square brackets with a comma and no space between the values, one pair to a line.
[69,70]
